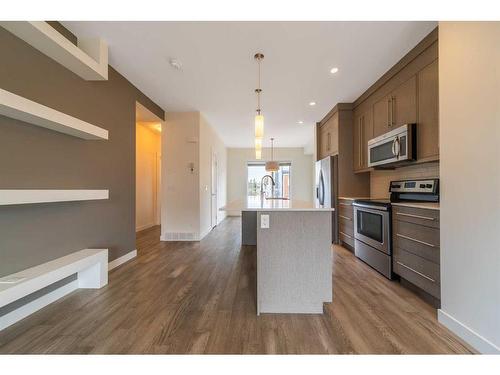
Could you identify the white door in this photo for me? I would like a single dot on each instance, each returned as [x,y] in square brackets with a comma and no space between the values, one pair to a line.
[214,190]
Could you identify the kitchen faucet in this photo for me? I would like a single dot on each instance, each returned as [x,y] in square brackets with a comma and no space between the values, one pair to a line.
[262,184]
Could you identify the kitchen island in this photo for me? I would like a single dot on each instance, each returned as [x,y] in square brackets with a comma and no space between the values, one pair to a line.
[294,256]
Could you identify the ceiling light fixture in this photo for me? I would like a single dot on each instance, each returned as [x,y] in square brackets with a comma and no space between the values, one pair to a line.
[272,166]
[334,70]
[312,104]
[300,122]
[259,118]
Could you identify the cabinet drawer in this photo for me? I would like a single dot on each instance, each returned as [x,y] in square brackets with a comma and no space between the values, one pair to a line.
[346,238]
[416,239]
[347,228]
[345,210]
[429,218]
[418,271]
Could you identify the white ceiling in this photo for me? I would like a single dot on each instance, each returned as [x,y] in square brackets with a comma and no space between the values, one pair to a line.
[219,74]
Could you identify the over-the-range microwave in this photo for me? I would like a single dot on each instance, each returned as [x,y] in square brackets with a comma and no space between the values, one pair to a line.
[395,146]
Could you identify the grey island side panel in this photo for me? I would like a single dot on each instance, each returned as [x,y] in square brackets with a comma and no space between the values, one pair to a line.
[294,262]
[249,228]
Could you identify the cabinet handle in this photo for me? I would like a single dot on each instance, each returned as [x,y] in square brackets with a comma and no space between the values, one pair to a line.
[345,234]
[416,216]
[418,273]
[345,204]
[393,100]
[345,217]
[415,240]
[329,141]
[389,120]
[361,139]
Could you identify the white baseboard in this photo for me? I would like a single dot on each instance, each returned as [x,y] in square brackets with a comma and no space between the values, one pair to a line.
[474,339]
[37,304]
[124,258]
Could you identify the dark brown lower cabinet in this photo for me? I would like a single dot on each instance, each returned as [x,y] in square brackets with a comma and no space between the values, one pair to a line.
[416,251]
[346,223]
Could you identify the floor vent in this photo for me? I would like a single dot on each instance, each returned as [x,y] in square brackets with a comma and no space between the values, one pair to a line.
[180,236]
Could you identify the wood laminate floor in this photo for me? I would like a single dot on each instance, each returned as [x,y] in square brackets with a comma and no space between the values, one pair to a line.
[200,297]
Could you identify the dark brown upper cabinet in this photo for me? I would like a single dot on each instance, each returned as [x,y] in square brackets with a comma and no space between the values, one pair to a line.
[362,133]
[397,108]
[428,113]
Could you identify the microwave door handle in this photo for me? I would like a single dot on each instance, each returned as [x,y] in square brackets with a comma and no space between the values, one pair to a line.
[397,146]
[394,147]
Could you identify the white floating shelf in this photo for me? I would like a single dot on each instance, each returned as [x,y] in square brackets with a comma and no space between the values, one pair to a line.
[25,196]
[89,59]
[19,108]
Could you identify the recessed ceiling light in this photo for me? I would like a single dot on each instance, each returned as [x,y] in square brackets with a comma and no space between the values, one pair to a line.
[334,70]
[300,122]
[312,103]
[176,64]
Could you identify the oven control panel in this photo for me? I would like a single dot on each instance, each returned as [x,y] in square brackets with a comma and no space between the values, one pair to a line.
[414,186]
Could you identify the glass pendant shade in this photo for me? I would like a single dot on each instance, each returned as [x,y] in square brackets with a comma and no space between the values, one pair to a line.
[259,126]
[258,154]
[258,144]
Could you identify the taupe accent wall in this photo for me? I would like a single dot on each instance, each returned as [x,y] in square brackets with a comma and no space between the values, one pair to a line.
[37,158]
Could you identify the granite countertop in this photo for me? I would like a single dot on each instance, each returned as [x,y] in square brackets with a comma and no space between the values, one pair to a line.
[257,204]
[426,205]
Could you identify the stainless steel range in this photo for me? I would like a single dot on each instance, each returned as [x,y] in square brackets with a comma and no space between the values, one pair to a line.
[372,221]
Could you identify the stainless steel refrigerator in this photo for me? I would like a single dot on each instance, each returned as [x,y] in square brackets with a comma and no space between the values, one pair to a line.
[327,189]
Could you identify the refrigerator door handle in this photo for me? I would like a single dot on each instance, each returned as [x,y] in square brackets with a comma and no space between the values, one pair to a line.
[321,189]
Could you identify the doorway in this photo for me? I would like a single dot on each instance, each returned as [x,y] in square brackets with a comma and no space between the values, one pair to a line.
[147,169]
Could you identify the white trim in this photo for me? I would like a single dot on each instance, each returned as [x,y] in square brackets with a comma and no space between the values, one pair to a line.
[123,259]
[205,233]
[28,196]
[474,339]
[37,304]
[20,108]
[89,59]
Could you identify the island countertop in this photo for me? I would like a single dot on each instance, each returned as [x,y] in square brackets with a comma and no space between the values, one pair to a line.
[252,203]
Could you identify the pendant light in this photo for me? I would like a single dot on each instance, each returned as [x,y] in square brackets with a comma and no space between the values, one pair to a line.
[259,118]
[258,148]
[272,166]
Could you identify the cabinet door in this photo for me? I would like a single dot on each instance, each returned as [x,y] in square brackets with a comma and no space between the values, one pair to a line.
[381,116]
[362,133]
[428,112]
[324,141]
[404,104]
[367,134]
[334,134]
[357,140]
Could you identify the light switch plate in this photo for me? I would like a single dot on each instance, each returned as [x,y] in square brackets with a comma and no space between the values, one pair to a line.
[264,221]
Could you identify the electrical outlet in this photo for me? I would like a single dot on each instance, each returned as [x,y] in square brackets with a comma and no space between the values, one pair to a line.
[264,221]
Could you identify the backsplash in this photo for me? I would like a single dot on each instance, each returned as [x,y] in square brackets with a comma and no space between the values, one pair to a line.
[380,179]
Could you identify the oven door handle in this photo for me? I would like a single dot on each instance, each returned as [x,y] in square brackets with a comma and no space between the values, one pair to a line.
[377,208]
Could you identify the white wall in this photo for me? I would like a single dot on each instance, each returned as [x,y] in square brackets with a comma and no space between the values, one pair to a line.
[180,187]
[147,177]
[469,107]
[301,175]
[186,196]
[211,143]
